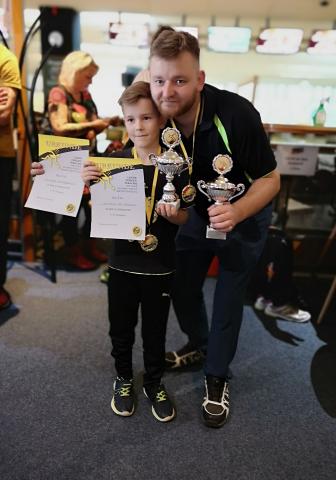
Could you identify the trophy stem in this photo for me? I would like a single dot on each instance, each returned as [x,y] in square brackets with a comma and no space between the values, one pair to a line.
[169,192]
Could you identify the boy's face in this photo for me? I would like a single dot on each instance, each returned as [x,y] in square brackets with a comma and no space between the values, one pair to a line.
[175,83]
[143,123]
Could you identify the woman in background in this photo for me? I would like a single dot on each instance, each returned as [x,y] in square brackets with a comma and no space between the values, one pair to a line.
[73,113]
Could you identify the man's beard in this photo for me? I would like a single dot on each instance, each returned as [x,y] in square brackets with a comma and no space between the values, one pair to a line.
[178,109]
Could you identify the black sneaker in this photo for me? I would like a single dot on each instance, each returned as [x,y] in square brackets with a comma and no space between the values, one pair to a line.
[184,357]
[162,407]
[123,397]
[216,401]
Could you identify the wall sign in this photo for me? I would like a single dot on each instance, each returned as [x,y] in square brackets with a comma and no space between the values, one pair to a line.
[296,160]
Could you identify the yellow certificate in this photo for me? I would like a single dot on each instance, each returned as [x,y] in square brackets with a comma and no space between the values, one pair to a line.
[60,188]
[118,200]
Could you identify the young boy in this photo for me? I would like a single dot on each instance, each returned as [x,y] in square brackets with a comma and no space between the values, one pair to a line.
[141,272]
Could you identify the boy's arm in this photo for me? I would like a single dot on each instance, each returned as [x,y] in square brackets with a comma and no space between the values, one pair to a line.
[173,215]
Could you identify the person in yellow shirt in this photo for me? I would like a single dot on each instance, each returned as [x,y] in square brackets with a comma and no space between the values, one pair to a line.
[9,86]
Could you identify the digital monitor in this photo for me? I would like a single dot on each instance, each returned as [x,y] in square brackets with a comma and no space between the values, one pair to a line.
[192,30]
[279,40]
[128,35]
[322,42]
[229,39]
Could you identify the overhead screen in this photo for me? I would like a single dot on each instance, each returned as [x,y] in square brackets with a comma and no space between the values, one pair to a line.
[229,39]
[279,40]
[192,30]
[322,42]
[128,35]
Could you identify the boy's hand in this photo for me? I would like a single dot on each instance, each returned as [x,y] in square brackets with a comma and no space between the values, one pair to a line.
[36,169]
[166,210]
[90,171]
[178,216]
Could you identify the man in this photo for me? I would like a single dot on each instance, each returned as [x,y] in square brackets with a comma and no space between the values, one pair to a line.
[9,85]
[213,122]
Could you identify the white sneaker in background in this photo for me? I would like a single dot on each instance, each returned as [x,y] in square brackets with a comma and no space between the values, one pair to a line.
[261,303]
[288,312]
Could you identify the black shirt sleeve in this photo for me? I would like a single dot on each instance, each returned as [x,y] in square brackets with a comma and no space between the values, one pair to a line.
[251,145]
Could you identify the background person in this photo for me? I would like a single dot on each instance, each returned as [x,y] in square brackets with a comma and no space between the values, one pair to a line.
[213,122]
[72,113]
[272,280]
[9,86]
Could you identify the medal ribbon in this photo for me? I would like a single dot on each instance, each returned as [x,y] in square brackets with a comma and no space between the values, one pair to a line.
[149,200]
[184,150]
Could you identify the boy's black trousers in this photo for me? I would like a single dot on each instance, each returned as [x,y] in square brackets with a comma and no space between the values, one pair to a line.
[126,292]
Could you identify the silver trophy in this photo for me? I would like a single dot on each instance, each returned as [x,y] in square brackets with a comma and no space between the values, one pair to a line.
[220,190]
[170,164]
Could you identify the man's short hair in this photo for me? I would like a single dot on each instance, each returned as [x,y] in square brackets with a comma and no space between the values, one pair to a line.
[135,92]
[168,43]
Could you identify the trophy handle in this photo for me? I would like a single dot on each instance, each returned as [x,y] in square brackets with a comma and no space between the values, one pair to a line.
[200,185]
[188,162]
[240,189]
[153,158]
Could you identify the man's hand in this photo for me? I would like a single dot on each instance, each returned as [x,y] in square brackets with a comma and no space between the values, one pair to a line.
[261,192]
[223,217]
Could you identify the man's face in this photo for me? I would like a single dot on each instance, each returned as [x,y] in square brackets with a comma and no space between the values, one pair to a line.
[175,84]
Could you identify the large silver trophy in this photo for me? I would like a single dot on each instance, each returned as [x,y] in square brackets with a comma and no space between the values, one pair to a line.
[220,190]
[170,164]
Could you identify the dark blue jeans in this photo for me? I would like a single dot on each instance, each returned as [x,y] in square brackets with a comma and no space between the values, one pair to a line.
[237,255]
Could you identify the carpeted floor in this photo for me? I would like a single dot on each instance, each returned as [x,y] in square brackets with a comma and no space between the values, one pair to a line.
[56,377]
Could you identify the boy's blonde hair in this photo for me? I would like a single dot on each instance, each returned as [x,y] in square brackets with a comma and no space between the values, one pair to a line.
[134,93]
[75,62]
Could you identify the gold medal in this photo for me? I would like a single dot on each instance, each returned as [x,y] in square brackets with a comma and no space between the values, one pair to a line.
[150,243]
[188,193]
[222,164]
[171,137]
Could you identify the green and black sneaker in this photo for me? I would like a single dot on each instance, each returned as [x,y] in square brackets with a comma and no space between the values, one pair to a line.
[162,407]
[123,401]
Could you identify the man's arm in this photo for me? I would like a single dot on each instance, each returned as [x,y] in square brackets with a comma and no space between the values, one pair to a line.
[7,96]
[262,191]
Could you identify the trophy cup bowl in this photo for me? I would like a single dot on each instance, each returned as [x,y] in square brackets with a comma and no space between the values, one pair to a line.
[221,191]
[170,164]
